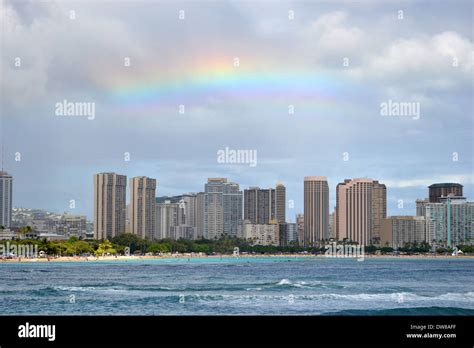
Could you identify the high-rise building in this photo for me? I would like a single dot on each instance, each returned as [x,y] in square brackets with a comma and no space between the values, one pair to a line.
[109,205]
[451,219]
[200,211]
[316,209]
[223,208]
[397,231]
[280,203]
[288,233]
[361,205]
[263,205]
[128,227]
[142,207]
[6,194]
[188,202]
[259,205]
[331,233]
[379,209]
[300,228]
[436,191]
[168,215]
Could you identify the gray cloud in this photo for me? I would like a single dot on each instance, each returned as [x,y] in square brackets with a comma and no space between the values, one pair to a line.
[82,60]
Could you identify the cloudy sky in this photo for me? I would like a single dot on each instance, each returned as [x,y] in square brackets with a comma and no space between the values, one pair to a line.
[237,69]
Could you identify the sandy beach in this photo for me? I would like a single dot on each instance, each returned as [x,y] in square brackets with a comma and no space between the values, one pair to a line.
[189,256]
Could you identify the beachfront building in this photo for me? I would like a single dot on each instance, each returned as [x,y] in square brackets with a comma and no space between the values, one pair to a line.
[260,234]
[222,208]
[316,210]
[398,231]
[300,228]
[6,193]
[142,209]
[168,215]
[288,233]
[109,205]
[451,219]
[361,206]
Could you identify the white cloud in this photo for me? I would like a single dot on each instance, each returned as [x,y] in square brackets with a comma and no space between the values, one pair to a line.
[440,62]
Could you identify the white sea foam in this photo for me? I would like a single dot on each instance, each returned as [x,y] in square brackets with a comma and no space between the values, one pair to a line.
[284,282]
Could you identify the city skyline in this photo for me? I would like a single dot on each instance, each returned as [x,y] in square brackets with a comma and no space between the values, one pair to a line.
[360,215]
[180,193]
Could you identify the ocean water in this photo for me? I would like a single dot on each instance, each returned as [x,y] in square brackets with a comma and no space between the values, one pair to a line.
[240,286]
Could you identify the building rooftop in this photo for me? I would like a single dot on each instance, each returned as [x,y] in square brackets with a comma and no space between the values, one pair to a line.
[315,178]
[446,184]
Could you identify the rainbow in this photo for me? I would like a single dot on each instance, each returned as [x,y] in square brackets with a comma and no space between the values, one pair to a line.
[220,81]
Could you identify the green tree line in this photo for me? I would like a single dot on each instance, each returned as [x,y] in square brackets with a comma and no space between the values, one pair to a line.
[225,245]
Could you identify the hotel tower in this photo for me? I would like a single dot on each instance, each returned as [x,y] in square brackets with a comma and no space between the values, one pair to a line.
[316,209]
[109,205]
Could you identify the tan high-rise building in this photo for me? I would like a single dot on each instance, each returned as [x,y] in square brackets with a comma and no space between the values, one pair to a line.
[361,206]
[109,205]
[143,207]
[379,210]
[280,203]
[316,209]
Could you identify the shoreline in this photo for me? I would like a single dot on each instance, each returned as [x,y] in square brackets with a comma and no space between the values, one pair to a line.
[219,256]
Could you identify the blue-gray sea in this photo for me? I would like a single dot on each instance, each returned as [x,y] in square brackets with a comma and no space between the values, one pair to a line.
[240,286]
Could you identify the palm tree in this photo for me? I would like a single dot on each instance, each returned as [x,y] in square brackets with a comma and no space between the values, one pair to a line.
[24,230]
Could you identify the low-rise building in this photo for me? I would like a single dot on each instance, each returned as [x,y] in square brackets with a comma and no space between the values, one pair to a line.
[397,231]
[263,234]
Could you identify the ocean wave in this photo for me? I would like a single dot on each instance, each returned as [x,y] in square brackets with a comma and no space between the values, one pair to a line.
[308,284]
[396,296]
[352,298]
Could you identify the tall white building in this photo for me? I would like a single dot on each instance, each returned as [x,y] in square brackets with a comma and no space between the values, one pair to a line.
[189,203]
[168,215]
[200,211]
[109,205]
[6,187]
[451,219]
[223,208]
